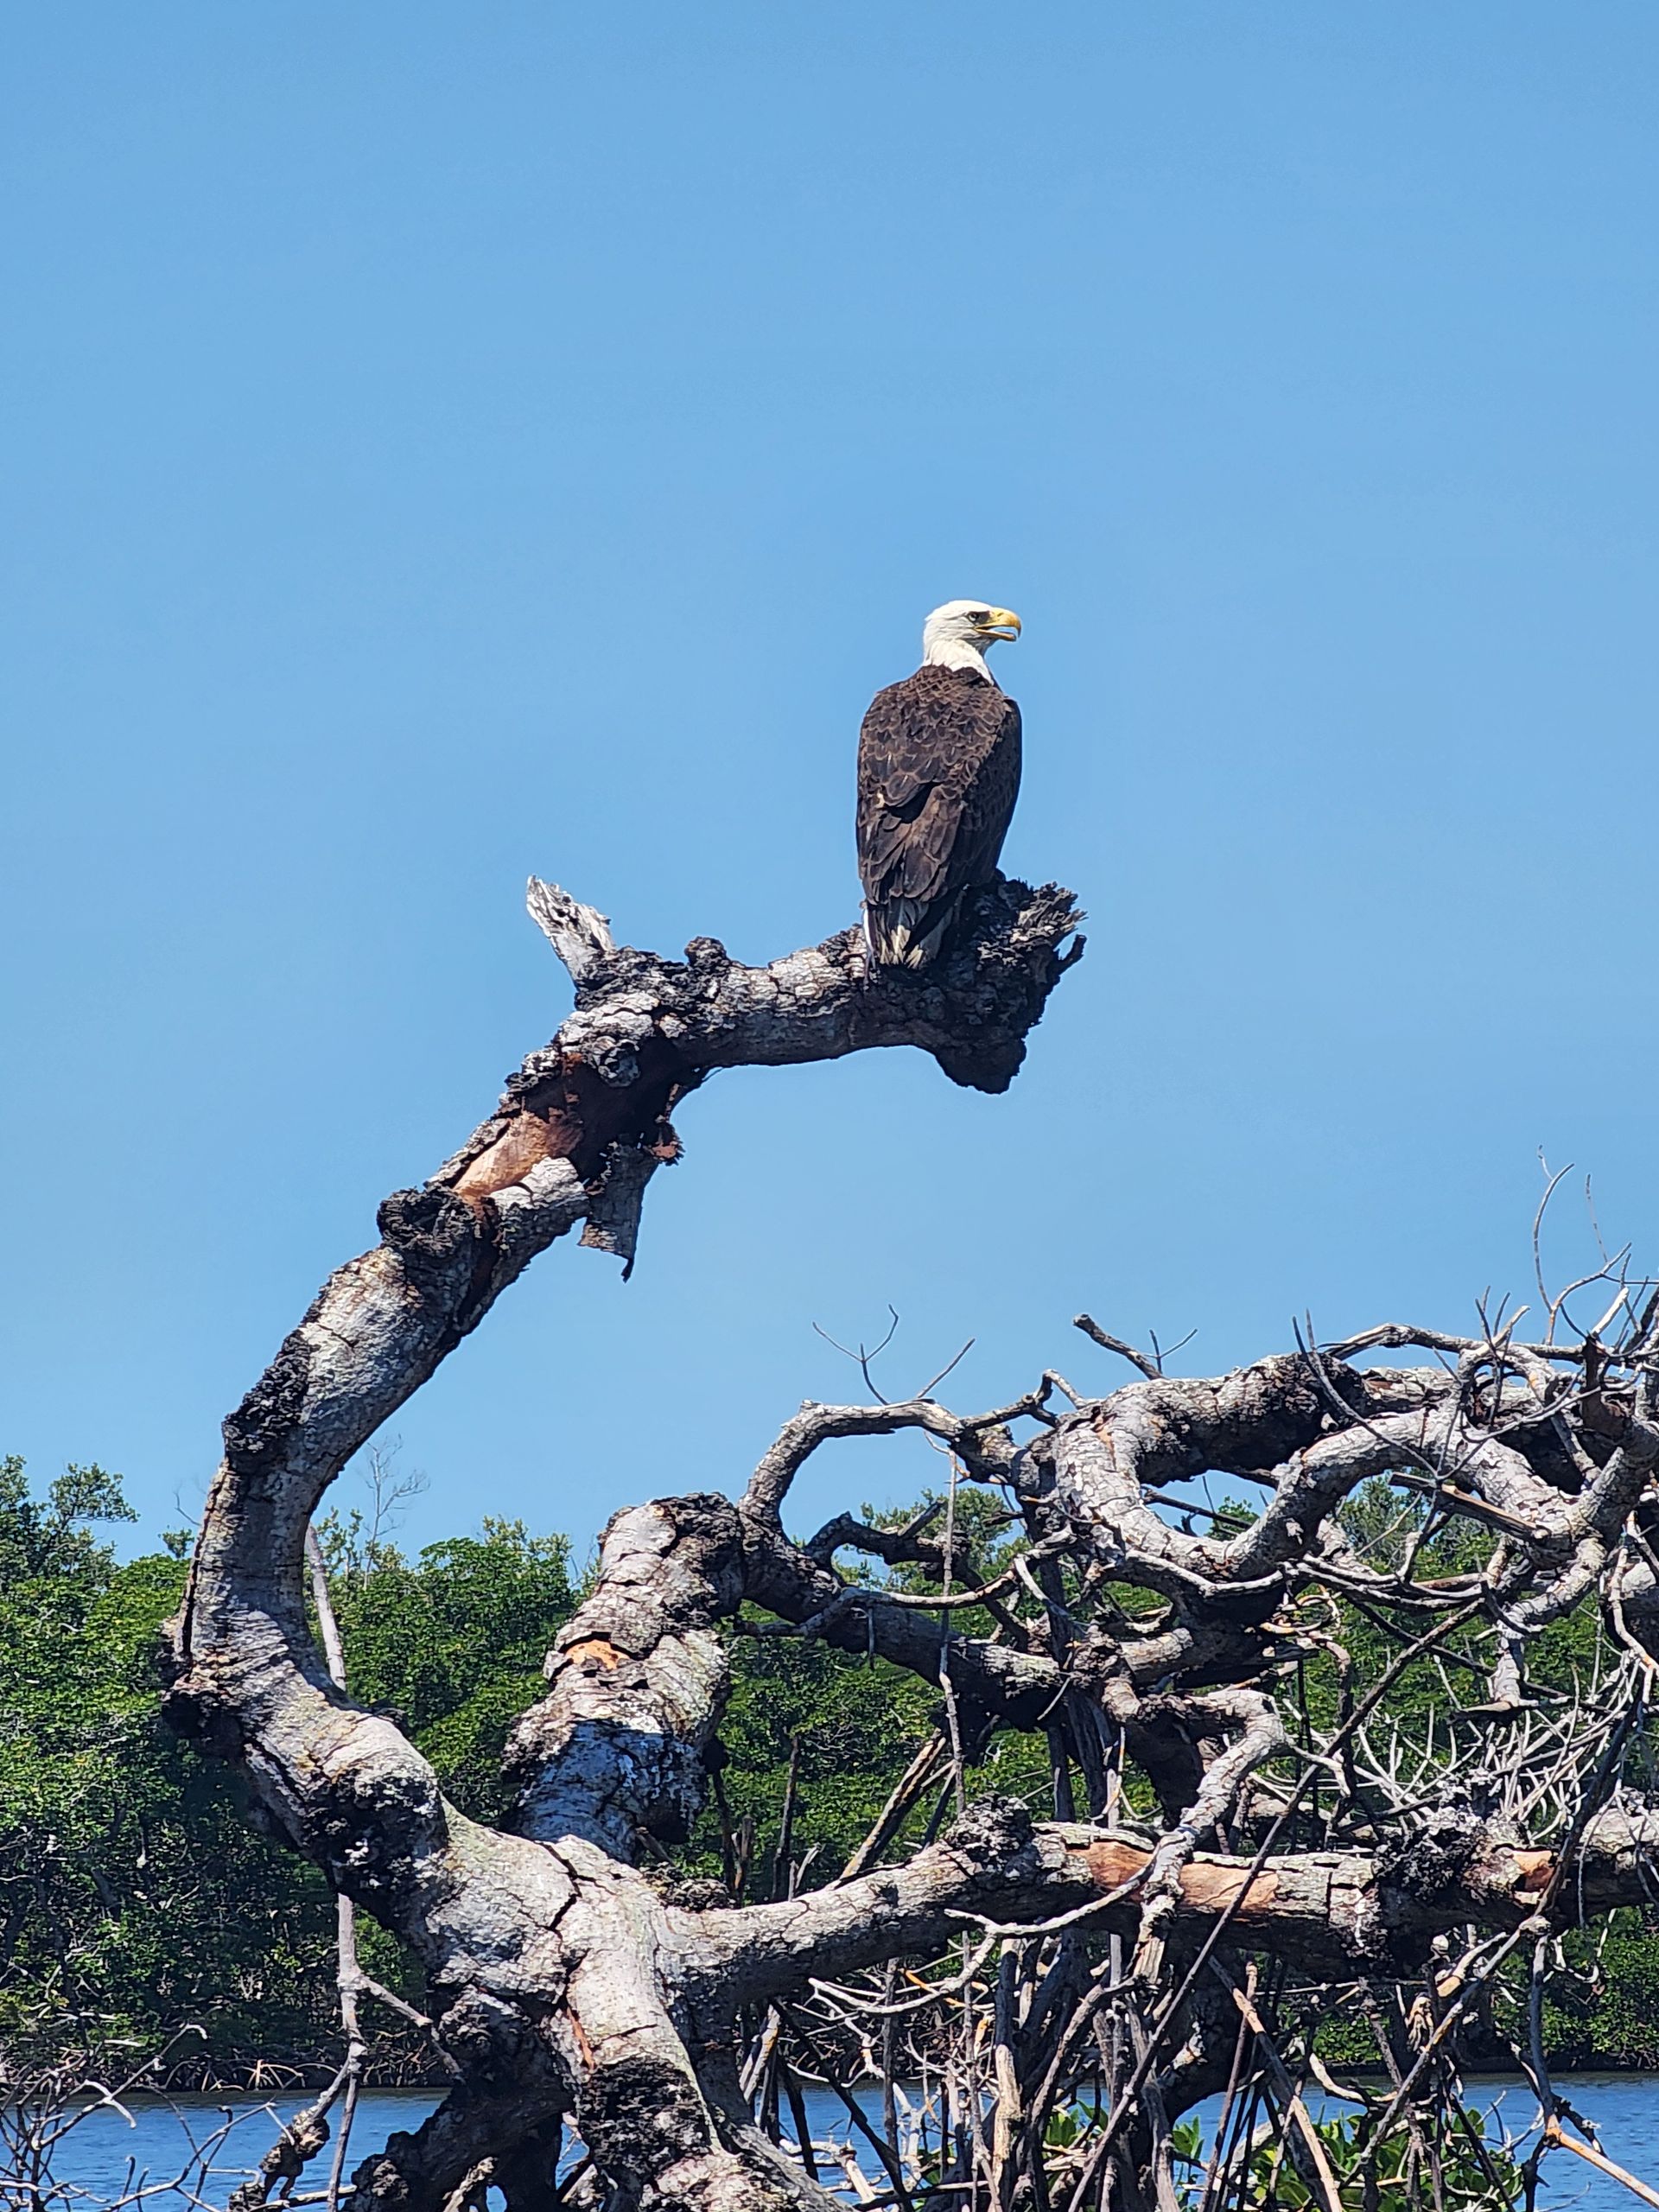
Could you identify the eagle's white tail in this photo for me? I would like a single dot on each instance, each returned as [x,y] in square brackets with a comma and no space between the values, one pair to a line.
[907,932]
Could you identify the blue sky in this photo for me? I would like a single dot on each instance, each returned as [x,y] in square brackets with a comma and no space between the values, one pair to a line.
[445,442]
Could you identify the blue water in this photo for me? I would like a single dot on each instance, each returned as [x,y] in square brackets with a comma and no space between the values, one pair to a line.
[106,2154]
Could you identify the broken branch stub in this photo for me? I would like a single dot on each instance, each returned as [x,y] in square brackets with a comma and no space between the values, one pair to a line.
[580,935]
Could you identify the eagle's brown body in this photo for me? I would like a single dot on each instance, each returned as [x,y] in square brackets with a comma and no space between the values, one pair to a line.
[939,772]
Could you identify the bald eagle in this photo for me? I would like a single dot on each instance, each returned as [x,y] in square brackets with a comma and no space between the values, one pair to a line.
[939,772]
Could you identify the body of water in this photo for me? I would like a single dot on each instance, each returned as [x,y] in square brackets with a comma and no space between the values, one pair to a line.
[107,2155]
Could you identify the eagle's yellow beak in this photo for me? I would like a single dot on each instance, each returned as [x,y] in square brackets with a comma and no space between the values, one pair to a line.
[1004,623]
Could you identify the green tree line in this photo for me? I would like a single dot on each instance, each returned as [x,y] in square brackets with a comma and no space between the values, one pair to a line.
[140,1911]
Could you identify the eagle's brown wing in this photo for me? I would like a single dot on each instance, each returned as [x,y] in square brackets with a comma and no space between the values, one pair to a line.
[939,773]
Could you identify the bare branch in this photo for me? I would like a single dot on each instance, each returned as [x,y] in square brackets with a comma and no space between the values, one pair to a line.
[580,935]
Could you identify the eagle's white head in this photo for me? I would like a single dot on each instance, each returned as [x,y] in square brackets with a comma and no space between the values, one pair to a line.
[960,633]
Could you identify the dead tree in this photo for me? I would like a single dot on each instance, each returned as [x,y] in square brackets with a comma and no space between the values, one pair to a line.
[574,1993]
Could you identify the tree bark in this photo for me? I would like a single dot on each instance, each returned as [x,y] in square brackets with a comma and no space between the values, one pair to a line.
[570,1984]
[548,1957]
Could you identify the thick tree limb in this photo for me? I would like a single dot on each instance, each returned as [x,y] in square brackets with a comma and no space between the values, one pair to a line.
[639,1678]
[1375,1911]
[542,1957]
[644,1031]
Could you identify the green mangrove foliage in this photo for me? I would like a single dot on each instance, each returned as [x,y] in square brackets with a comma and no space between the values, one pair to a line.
[137,1901]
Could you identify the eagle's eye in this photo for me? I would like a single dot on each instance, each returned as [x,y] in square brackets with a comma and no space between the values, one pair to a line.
[979,616]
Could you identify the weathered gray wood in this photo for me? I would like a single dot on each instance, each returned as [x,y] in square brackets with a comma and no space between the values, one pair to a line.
[546,1954]
[566,1977]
